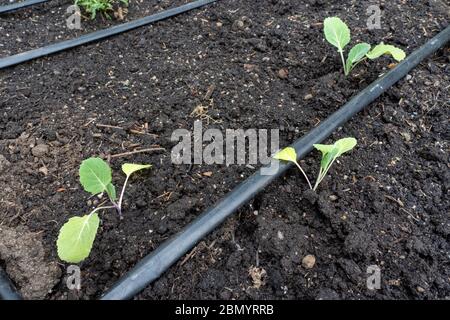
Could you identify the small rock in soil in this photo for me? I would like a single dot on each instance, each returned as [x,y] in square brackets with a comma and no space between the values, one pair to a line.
[333,197]
[258,276]
[309,261]
[420,290]
[238,24]
[250,67]
[40,150]
[283,73]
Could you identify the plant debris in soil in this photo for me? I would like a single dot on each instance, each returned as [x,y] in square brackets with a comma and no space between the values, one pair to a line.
[386,204]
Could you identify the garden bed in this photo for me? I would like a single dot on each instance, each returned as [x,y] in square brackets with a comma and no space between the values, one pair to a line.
[384,204]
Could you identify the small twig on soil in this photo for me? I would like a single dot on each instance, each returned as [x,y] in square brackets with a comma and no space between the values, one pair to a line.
[144,133]
[398,201]
[210,92]
[134,131]
[401,204]
[88,123]
[124,154]
[99,125]
[410,214]
[163,195]
[189,256]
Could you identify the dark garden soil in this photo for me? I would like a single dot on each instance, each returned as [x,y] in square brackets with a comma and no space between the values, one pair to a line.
[384,204]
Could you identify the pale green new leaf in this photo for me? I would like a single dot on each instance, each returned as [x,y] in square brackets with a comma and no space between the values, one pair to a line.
[130,168]
[381,49]
[287,154]
[345,145]
[336,32]
[111,191]
[328,158]
[324,148]
[355,55]
[332,151]
[95,175]
[76,238]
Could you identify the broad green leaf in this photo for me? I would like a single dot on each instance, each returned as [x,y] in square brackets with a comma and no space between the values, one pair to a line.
[76,238]
[130,168]
[345,145]
[355,55]
[111,191]
[328,157]
[336,32]
[324,148]
[332,151]
[95,175]
[381,49]
[287,154]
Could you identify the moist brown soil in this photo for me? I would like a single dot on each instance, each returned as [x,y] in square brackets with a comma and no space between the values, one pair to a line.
[384,204]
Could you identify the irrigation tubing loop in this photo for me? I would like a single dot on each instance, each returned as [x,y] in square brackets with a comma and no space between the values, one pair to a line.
[20,5]
[7,289]
[153,265]
[99,35]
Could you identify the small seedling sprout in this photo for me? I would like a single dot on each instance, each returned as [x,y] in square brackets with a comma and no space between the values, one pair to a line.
[77,235]
[329,154]
[337,33]
[289,154]
[94,6]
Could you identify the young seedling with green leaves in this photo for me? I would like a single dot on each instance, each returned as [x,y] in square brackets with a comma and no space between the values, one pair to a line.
[338,34]
[95,6]
[329,154]
[77,235]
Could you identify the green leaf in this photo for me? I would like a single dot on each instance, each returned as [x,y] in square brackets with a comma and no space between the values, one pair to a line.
[111,191]
[328,158]
[356,54]
[332,151]
[324,148]
[336,32]
[287,154]
[130,168]
[76,238]
[381,49]
[95,175]
[345,145]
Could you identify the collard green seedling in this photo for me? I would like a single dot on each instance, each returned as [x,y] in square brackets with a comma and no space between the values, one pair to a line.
[329,154]
[94,6]
[338,34]
[77,235]
[289,154]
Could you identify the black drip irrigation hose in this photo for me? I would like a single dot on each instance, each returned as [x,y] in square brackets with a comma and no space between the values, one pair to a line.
[20,5]
[153,265]
[99,35]
[7,289]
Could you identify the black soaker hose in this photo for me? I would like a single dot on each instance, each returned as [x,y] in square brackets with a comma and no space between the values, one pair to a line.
[157,262]
[98,35]
[20,5]
[7,289]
